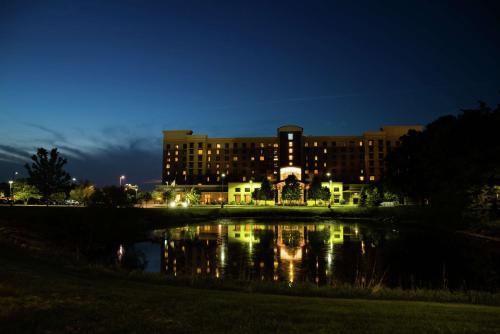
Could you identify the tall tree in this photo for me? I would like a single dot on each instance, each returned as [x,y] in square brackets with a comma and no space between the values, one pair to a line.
[315,189]
[47,172]
[292,190]
[452,156]
[266,191]
[324,194]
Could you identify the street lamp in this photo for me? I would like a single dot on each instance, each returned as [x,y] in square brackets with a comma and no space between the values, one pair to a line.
[330,187]
[10,192]
[222,189]
[73,179]
[121,178]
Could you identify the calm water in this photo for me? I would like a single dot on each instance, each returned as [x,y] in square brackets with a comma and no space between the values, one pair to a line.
[326,253]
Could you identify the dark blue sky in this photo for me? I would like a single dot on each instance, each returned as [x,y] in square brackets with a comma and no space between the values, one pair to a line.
[102,79]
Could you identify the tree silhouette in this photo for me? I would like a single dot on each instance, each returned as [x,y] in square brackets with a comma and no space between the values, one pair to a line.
[266,191]
[315,189]
[291,190]
[47,174]
[442,165]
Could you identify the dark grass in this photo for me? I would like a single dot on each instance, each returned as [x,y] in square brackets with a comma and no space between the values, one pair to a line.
[42,296]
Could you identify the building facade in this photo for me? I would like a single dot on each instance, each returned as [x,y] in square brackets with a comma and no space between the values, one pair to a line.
[194,159]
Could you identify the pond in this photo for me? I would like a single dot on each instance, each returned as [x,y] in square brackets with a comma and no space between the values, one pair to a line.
[324,253]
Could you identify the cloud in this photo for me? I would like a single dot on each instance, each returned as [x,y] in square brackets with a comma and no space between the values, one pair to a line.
[13,154]
[55,134]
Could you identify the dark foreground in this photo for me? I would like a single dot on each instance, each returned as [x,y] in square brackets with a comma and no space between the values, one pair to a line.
[38,296]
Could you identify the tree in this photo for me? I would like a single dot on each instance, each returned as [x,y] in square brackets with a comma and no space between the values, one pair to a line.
[193,196]
[324,194]
[82,193]
[265,192]
[444,165]
[47,174]
[24,191]
[58,198]
[292,190]
[370,196]
[315,189]
[110,197]
[163,193]
[143,197]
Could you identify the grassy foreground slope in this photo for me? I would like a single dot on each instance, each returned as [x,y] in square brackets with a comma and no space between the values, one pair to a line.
[38,296]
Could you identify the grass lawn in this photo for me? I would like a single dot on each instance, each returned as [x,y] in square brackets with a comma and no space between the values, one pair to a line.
[40,296]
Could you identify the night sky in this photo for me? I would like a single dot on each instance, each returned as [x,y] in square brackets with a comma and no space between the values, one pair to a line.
[100,80]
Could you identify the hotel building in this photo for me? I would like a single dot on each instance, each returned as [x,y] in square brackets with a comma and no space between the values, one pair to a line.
[194,159]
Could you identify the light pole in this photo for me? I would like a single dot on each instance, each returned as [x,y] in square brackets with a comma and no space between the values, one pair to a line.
[222,189]
[10,192]
[122,178]
[330,187]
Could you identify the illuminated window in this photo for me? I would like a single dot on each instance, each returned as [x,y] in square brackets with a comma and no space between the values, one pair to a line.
[316,157]
[218,146]
[315,172]
[244,178]
[324,164]
[290,163]
[252,158]
[261,158]
[315,144]
[183,172]
[372,178]
[306,144]
[290,144]
[261,144]
[325,150]
[176,159]
[290,150]
[361,178]
[209,152]
[176,152]
[235,158]
[168,165]
[275,145]
[290,157]
[200,151]
[290,136]
[176,147]
[307,171]
[360,143]
[209,158]
[275,158]
[217,152]
[370,143]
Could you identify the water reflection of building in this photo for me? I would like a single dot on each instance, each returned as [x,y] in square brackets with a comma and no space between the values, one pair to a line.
[293,253]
